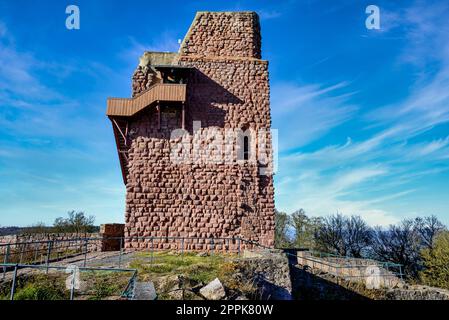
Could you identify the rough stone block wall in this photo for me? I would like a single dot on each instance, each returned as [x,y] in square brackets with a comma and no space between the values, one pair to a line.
[234,34]
[228,88]
[39,241]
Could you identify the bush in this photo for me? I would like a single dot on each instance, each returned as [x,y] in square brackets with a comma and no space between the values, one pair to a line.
[282,222]
[436,262]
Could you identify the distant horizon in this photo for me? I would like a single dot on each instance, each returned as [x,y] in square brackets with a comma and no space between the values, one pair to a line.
[362,114]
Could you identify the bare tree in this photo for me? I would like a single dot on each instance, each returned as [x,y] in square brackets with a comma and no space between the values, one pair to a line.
[347,236]
[330,236]
[428,228]
[358,236]
[77,222]
[405,242]
[398,244]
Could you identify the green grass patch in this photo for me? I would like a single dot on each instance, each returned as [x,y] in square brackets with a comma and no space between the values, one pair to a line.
[94,285]
[190,264]
[162,267]
[102,284]
[37,287]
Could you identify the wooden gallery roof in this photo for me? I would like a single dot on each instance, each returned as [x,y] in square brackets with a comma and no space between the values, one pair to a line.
[119,111]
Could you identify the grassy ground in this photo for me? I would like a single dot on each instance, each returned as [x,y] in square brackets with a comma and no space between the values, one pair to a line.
[95,285]
[173,272]
[37,287]
[198,268]
[175,275]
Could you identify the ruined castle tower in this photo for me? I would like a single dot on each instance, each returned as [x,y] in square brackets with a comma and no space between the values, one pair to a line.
[194,141]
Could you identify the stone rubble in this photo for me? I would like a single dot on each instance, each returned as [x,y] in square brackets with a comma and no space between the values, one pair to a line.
[214,290]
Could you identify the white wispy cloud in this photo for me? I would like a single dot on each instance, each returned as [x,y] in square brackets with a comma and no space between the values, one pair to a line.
[51,139]
[305,113]
[269,14]
[364,175]
[321,195]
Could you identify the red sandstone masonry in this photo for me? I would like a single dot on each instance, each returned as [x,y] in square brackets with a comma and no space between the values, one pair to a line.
[228,88]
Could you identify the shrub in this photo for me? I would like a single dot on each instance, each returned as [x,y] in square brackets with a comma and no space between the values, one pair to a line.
[436,262]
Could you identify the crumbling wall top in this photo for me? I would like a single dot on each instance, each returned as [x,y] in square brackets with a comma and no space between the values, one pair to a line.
[157,58]
[224,34]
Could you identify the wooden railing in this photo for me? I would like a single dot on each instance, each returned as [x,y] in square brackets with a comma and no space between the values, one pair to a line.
[158,92]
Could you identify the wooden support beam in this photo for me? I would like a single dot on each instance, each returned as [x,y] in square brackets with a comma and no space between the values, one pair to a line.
[124,153]
[183,116]
[158,107]
[120,130]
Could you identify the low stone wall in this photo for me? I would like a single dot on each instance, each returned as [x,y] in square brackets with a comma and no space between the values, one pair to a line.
[417,293]
[108,239]
[360,270]
[30,247]
[8,239]
[44,237]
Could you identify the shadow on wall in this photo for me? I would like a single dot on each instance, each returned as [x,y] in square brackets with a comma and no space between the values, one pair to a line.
[271,291]
[307,286]
[207,101]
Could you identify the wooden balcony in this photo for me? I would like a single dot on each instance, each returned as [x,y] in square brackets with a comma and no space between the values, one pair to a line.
[125,107]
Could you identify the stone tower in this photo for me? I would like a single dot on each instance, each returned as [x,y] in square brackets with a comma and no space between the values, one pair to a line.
[194,141]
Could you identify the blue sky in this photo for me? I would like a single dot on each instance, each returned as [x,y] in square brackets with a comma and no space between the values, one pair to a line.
[363,115]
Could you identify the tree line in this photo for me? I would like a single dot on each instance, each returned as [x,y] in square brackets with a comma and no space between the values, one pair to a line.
[420,245]
[75,222]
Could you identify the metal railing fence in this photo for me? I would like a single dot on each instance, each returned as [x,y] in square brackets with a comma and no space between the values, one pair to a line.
[49,251]
[126,292]
[44,253]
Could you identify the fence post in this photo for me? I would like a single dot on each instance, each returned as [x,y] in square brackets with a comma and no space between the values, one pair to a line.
[72,287]
[48,255]
[22,249]
[6,259]
[182,246]
[336,272]
[238,246]
[36,246]
[85,252]
[151,249]
[121,251]
[212,245]
[13,286]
